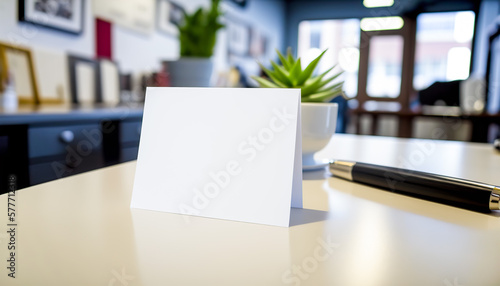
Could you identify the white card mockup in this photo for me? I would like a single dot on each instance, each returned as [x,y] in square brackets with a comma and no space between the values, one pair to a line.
[225,153]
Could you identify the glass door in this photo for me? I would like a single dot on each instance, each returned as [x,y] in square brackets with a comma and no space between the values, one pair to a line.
[385,65]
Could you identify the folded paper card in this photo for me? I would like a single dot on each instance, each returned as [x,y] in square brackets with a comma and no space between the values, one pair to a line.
[223,153]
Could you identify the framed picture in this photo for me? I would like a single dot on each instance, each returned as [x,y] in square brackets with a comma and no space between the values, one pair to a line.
[238,37]
[110,82]
[16,64]
[62,15]
[134,15]
[51,70]
[258,44]
[85,81]
[126,82]
[170,14]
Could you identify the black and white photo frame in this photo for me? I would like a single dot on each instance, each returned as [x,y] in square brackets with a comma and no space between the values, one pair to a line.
[109,74]
[61,15]
[238,37]
[85,80]
[169,15]
[258,43]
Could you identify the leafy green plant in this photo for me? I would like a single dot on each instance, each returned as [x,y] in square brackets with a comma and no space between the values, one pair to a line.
[198,31]
[290,75]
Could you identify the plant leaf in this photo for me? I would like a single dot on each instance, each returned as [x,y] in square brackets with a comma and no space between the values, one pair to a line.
[283,60]
[198,30]
[335,86]
[291,60]
[282,74]
[308,71]
[272,75]
[264,82]
[334,76]
[328,80]
[313,84]
[327,71]
[325,95]
[320,97]
[295,72]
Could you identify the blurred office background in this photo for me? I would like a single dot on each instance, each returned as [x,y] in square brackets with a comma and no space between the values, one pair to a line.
[420,68]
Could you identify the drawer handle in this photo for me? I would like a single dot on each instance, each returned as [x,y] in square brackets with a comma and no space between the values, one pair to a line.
[67,136]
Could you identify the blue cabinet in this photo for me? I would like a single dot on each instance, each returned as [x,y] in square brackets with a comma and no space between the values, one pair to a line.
[38,147]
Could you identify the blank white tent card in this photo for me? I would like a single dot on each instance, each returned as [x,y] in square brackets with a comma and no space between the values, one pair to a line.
[224,153]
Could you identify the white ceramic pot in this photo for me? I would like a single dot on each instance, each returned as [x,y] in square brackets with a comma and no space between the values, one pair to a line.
[190,72]
[319,121]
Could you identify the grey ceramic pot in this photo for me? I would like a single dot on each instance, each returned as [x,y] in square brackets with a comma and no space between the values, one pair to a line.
[190,72]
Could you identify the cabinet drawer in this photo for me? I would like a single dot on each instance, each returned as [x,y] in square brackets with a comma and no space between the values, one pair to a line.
[55,140]
[130,131]
[129,154]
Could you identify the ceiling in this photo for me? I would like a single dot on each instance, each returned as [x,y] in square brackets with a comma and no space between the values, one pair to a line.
[407,7]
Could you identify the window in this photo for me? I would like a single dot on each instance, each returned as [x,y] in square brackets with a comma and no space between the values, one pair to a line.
[384,66]
[442,51]
[341,38]
[443,47]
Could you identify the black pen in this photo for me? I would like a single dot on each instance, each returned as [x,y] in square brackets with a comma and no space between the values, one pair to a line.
[442,189]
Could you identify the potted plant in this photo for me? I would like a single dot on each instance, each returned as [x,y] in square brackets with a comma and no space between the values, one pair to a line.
[319,116]
[197,38]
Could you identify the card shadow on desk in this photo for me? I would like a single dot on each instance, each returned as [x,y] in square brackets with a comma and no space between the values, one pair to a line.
[320,174]
[305,216]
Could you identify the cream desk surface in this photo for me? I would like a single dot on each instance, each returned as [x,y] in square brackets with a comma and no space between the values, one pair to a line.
[80,230]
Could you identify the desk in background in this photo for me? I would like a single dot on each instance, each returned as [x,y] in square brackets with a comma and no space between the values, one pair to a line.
[40,144]
[80,230]
[480,123]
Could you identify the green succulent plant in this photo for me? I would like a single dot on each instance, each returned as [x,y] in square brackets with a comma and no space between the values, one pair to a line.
[198,31]
[290,75]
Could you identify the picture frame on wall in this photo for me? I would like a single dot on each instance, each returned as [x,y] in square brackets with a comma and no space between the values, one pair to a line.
[16,64]
[62,15]
[258,44]
[109,75]
[238,37]
[53,87]
[85,80]
[134,15]
[169,15]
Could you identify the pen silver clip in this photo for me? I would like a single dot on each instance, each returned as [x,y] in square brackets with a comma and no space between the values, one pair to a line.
[495,199]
